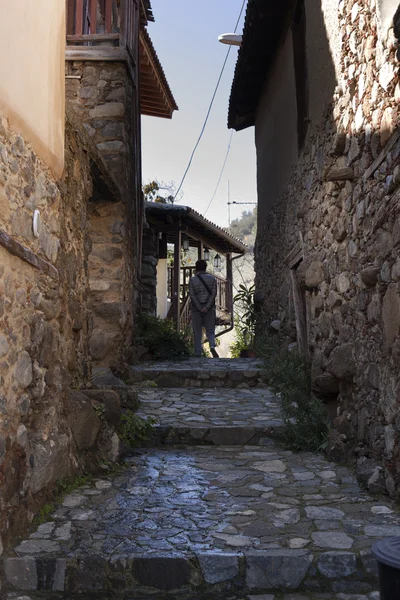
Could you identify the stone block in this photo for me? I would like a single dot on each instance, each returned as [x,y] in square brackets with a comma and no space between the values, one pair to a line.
[342,364]
[337,564]
[391,312]
[112,147]
[85,424]
[277,569]
[4,347]
[111,402]
[108,110]
[23,370]
[161,573]
[230,436]
[21,573]
[219,567]
[369,276]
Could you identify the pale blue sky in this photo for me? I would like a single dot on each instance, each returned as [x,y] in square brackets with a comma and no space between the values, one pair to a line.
[185,37]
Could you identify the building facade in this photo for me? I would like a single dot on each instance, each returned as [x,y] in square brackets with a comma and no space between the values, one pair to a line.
[319,82]
[71,213]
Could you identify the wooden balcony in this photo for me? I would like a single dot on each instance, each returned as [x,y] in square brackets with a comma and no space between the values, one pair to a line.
[115,30]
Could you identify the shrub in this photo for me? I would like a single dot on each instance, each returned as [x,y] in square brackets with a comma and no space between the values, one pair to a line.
[133,430]
[161,339]
[306,425]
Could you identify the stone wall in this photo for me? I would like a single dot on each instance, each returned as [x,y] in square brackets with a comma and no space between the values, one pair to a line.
[342,206]
[43,322]
[105,99]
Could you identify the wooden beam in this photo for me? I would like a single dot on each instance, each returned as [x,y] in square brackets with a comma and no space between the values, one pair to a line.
[95,37]
[22,252]
[96,53]
[300,310]
[229,279]
[379,160]
[200,247]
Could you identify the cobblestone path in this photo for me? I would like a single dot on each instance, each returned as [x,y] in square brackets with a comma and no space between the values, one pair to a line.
[210,521]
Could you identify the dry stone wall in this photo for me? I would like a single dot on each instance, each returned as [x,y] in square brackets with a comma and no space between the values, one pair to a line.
[43,323]
[104,98]
[343,205]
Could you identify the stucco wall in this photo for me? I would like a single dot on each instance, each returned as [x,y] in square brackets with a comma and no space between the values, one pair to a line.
[32,47]
[323,54]
[276,131]
[162,288]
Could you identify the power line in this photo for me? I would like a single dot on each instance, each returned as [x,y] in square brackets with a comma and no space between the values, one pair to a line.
[221,173]
[210,107]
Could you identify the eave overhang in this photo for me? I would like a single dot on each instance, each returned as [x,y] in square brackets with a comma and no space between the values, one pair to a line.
[265,27]
[156,99]
[171,217]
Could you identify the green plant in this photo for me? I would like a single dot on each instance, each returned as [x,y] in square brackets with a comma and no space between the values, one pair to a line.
[62,488]
[134,430]
[245,322]
[306,425]
[161,339]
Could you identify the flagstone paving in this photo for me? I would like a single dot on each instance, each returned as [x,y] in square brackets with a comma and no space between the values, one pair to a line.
[244,520]
[227,416]
[200,372]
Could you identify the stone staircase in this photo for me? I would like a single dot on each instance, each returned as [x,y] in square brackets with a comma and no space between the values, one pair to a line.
[214,509]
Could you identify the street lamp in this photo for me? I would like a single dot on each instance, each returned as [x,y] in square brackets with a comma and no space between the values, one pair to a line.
[217,262]
[231,39]
[185,244]
[206,254]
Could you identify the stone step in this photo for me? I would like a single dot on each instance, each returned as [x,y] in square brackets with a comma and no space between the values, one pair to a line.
[200,372]
[216,417]
[208,522]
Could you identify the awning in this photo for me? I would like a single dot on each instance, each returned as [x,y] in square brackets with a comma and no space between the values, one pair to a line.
[169,218]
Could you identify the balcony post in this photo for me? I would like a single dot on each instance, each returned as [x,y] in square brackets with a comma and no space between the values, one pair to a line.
[177,280]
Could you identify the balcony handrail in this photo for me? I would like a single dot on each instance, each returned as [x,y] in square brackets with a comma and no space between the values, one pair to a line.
[90,22]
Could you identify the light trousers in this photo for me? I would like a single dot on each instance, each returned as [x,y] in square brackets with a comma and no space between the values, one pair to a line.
[200,320]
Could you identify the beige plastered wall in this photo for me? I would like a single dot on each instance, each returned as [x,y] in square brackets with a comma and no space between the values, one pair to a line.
[162,288]
[32,74]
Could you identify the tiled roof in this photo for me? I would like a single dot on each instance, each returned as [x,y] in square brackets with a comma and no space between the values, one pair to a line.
[191,216]
[265,24]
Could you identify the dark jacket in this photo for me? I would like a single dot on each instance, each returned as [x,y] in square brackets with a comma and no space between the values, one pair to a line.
[198,292]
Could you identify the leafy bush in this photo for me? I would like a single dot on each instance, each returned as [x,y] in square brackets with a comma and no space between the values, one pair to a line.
[306,425]
[161,339]
[245,322]
[133,430]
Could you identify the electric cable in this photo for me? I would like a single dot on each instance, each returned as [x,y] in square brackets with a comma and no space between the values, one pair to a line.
[221,173]
[209,108]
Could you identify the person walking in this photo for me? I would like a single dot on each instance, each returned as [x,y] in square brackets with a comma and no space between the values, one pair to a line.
[203,290]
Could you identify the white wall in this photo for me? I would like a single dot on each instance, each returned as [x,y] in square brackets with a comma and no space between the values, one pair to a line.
[32,74]
[162,288]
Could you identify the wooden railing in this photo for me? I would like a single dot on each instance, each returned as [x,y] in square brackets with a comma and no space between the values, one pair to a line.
[92,21]
[222,300]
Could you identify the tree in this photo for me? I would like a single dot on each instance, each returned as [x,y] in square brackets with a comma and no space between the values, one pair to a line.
[159,191]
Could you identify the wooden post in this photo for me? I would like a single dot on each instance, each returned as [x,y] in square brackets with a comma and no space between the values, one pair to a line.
[79,17]
[93,16]
[177,279]
[108,16]
[123,11]
[229,279]
[300,311]
[200,250]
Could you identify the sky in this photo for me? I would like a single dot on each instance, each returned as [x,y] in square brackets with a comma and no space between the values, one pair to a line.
[185,36]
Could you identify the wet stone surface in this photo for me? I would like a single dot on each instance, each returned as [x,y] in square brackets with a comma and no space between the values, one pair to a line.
[223,416]
[282,520]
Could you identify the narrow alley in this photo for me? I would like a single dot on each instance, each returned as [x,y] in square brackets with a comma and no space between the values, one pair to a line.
[214,508]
